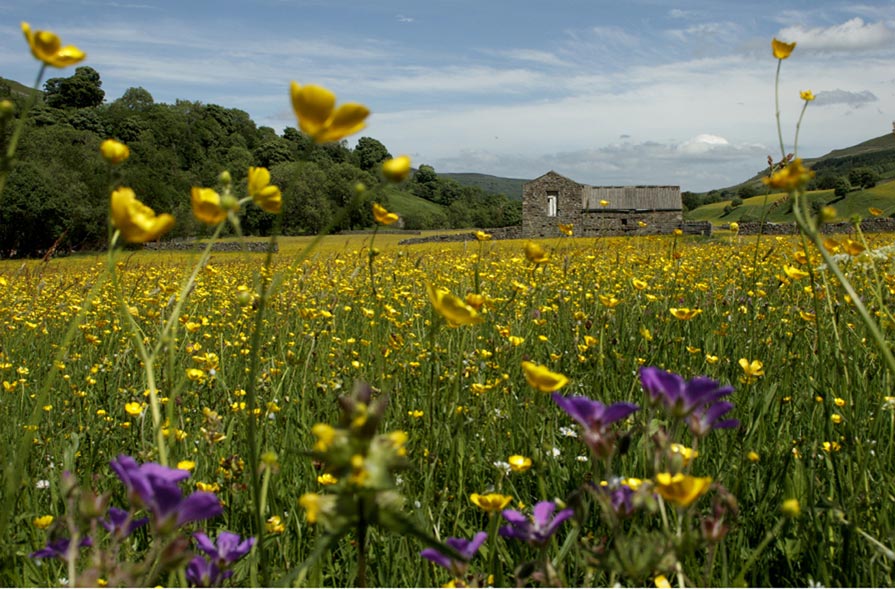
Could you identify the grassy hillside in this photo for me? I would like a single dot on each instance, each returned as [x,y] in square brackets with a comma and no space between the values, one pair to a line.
[416,212]
[877,153]
[509,187]
[858,202]
[11,87]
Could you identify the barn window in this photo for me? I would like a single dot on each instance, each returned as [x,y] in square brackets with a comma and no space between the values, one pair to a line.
[551,204]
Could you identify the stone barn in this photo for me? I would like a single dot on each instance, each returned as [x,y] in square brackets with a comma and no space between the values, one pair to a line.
[599,210]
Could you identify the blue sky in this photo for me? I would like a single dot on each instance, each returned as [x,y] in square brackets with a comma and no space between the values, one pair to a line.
[621,92]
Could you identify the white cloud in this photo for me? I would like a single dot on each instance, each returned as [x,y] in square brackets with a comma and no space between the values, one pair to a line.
[851,36]
[837,96]
[534,56]
[404,19]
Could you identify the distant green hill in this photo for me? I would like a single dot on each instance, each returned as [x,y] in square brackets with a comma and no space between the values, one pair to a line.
[509,187]
[11,87]
[877,153]
[881,196]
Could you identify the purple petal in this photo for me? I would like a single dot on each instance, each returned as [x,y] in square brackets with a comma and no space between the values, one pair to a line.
[659,383]
[157,472]
[557,521]
[199,505]
[514,517]
[475,544]
[543,511]
[618,411]
[438,558]
[583,410]
[515,532]
[205,545]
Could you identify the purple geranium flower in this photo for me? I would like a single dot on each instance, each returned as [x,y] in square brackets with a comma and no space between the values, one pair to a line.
[155,487]
[228,549]
[203,573]
[466,548]
[705,418]
[538,529]
[698,398]
[58,548]
[596,418]
[120,522]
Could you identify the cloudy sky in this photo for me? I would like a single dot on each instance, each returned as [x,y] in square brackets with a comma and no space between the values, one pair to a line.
[605,92]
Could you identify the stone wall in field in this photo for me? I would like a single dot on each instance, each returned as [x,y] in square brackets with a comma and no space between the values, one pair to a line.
[220,246]
[512,232]
[875,225]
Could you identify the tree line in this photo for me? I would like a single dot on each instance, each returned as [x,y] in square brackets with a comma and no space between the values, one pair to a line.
[57,193]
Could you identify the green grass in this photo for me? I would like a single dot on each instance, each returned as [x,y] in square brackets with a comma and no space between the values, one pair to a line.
[857,202]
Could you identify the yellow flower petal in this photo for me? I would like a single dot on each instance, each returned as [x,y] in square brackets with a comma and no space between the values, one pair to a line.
[267,196]
[535,253]
[782,50]
[113,151]
[490,502]
[453,308]
[396,169]
[207,206]
[47,47]
[680,489]
[137,222]
[314,107]
[382,216]
[541,378]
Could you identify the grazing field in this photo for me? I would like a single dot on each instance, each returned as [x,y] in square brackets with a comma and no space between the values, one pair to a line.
[799,491]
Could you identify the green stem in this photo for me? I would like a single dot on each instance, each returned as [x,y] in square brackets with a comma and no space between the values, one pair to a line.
[740,580]
[777,107]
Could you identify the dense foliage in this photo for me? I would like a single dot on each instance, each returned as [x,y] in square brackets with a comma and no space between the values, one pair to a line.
[57,193]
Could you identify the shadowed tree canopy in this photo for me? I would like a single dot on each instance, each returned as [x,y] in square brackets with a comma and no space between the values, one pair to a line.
[82,90]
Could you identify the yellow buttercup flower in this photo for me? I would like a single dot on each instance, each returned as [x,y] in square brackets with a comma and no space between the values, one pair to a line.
[535,253]
[852,248]
[275,525]
[639,284]
[490,502]
[735,227]
[604,203]
[681,489]
[453,308]
[807,95]
[47,47]
[566,229]
[137,222]
[685,314]
[791,178]
[43,522]
[794,272]
[207,206]
[541,378]
[396,169]
[133,409]
[791,508]
[752,369]
[382,216]
[113,151]
[519,463]
[267,196]
[186,465]
[482,236]
[875,211]
[314,107]
[782,50]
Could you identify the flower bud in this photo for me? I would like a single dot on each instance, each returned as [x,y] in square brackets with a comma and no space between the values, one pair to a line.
[224,178]
[827,214]
[7,109]
[114,152]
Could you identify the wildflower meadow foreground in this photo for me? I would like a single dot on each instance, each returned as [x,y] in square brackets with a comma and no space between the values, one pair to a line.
[653,411]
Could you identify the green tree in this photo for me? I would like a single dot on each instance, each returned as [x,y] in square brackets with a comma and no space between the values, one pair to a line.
[369,153]
[82,90]
[135,99]
[863,177]
[842,187]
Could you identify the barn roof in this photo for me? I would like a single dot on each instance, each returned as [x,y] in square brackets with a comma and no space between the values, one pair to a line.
[632,197]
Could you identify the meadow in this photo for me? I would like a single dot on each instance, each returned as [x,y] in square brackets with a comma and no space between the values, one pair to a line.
[816,421]
[643,411]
